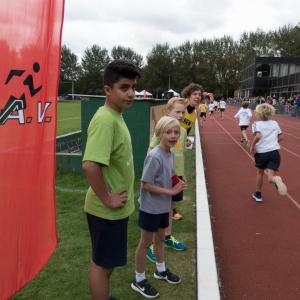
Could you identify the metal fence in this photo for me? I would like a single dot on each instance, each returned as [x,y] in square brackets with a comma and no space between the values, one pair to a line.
[292,111]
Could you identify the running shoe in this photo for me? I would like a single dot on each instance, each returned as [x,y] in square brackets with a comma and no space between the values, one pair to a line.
[150,254]
[145,288]
[174,244]
[167,276]
[281,187]
[257,196]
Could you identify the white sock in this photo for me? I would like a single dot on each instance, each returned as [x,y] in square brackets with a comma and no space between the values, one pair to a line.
[161,267]
[139,276]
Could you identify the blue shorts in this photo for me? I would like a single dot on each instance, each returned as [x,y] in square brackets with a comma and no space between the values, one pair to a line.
[151,222]
[109,241]
[268,160]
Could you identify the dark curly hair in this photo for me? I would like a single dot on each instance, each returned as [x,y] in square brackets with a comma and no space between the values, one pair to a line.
[192,87]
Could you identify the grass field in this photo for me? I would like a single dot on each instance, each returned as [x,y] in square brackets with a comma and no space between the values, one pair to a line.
[68,117]
[66,274]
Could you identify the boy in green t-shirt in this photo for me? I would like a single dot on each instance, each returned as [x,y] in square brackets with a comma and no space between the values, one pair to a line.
[108,167]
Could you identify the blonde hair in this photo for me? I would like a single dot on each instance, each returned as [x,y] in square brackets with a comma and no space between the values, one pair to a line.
[173,101]
[264,111]
[164,124]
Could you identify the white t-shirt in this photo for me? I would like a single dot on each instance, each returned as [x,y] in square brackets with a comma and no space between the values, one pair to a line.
[222,104]
[269,131]
[211,106]
[244,115]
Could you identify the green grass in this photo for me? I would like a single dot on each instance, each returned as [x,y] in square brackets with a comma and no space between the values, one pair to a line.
[68,117]
[66,274]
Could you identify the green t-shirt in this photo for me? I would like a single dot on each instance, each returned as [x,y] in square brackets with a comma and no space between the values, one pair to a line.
[178,151]
[109,143]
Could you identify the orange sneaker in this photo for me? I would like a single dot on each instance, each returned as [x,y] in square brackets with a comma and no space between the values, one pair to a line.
[176,215]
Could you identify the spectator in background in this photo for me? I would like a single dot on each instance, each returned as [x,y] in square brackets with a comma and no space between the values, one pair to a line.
[193,92]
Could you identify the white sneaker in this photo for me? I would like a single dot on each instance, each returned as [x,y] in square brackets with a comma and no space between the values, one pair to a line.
[281,187]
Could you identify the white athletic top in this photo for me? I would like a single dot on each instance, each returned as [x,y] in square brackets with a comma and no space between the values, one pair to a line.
[222,104]
[269,131]
[211,106]
[244,115]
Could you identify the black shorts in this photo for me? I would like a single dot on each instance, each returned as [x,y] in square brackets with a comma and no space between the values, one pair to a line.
[151,222]
[268,160]
[203,114]
[243,127]
[178,197]
[109,241]
[222,109]
[211,111]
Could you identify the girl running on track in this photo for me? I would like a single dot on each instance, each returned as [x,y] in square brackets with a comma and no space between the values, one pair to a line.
[267,135]
[211,108]
[203,109]
[222,107]
[244,116]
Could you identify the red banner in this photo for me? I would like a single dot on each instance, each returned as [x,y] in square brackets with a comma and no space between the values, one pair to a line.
[30,43]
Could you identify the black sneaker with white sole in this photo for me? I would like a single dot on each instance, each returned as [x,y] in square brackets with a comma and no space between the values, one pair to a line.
[145,288]
[257,196]
[168,276]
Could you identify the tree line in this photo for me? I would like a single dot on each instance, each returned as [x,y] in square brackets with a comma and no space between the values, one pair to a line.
[214,63]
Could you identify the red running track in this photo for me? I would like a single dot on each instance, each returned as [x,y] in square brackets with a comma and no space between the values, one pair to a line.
[257,245]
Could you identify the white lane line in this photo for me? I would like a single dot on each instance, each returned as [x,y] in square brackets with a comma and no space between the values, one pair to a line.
[66,119]
[288,126]
[291,152]
[228,133]
[296,137]
[237,143]
[70,190]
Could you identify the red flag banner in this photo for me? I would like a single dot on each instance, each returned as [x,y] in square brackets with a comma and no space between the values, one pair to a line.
[30,43]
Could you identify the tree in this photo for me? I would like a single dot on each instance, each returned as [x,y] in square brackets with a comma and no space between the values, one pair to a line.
[70,70]
[158,71]
[93,63]
[287,40]
[119,52]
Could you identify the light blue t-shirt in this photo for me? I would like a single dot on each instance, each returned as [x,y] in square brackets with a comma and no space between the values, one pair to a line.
[158,170]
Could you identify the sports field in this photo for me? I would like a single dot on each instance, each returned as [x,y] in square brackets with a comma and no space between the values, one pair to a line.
[66,274]
[68,117]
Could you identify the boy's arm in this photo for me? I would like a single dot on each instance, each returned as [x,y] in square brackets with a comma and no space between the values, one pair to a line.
[163,191]
[257,137]
[93,173]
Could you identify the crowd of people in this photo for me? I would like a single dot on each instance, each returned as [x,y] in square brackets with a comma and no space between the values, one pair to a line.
[108,167]
[286,102]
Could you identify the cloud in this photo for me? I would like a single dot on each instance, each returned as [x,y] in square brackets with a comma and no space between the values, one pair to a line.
[143,24]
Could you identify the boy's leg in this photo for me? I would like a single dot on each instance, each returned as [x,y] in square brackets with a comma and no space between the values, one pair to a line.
[141,250]
[277,180]
[159,238]
[168,230]
[99,281]
[259,179]
[244,135]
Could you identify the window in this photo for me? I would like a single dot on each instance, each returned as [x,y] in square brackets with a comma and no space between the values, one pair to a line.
[283,70]
[275,70]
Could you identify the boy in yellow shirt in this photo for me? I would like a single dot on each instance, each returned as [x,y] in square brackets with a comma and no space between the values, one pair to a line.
[203,109]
